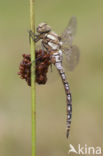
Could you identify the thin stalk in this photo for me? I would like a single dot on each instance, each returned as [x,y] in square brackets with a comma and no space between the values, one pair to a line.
[32,49]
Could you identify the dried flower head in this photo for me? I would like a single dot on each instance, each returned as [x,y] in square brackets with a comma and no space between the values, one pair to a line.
[42,65]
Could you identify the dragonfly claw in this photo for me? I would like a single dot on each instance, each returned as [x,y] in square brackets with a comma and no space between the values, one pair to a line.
[33,36]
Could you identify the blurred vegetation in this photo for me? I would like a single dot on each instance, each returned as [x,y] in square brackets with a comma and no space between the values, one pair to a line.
[86,81]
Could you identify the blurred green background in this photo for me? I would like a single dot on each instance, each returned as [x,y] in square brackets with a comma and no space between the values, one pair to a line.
[86,80]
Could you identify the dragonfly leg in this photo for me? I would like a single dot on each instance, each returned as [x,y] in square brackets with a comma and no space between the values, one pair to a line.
[34,37]
[36,59]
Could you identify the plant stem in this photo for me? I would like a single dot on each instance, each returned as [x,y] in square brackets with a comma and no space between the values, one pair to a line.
[32,47]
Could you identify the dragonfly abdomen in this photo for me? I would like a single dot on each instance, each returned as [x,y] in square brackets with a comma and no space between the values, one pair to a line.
[58,64]
[68,99]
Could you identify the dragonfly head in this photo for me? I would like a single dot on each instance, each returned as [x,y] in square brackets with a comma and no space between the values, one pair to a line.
[43,28]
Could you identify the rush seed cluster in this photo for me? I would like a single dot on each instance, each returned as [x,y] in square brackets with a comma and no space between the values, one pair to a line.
[42,65]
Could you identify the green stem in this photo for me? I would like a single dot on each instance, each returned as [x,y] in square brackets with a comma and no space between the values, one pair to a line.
[32,47]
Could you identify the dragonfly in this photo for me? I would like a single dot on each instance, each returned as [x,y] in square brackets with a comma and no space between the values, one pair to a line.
[60,46]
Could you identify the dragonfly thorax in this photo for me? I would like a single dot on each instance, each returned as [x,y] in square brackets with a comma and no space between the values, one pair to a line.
[51,42]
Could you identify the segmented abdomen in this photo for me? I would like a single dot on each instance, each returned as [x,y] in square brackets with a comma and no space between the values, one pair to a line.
[60,69]
[68,99]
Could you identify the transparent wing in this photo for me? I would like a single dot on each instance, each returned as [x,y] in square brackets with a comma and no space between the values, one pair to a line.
[71,52]
[72,57]
[68,34]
